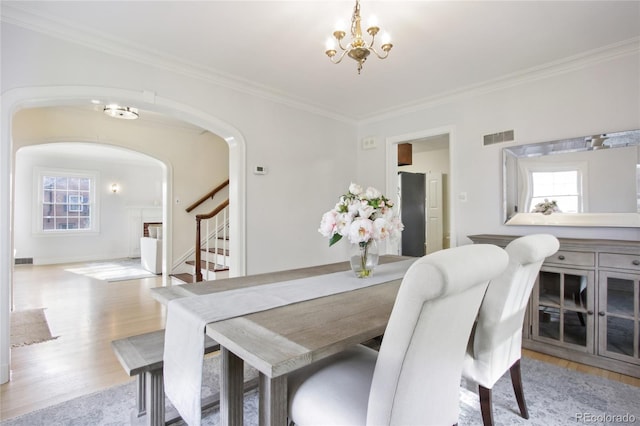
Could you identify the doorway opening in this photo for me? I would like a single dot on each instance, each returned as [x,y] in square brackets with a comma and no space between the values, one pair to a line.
[422,184]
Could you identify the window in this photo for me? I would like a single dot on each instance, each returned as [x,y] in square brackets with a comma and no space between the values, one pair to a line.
[563,187]
[66,201]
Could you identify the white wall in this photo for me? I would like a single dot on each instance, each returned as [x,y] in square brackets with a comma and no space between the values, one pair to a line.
[140,185]
[596,97]
[199,161]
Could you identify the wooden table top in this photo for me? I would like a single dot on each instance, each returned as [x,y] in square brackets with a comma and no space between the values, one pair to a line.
[286,338]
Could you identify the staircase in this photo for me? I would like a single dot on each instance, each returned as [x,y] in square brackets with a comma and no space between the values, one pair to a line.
[211,250]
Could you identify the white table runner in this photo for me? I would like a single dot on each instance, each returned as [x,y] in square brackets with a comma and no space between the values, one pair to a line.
[187,318]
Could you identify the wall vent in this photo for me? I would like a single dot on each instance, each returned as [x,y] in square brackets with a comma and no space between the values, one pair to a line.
[24,260]
[506,136]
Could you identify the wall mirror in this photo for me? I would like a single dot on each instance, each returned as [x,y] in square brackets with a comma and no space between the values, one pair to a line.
[587,181]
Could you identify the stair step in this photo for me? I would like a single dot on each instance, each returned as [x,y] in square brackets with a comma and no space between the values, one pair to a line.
[187,278]
[224,252]
[212,267]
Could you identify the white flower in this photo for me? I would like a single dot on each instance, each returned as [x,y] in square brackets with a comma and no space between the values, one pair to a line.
[372,193]
[328,224]
[360,231]
[355,189]
[343,223]
[380,228]
[365,210]
[396,227]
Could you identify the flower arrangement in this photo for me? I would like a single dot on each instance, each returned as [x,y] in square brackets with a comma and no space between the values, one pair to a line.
[546,207]
[363,217]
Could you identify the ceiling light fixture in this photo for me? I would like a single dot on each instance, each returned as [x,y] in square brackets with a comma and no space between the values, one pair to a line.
[357,49]
[117,111]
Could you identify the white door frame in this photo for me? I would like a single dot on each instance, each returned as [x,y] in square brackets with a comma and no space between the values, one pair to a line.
[392,169]
[31,97]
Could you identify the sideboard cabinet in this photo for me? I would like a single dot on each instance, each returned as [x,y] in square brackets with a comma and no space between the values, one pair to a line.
[585,305]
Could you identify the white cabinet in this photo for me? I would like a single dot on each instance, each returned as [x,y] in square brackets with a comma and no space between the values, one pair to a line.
[151,254]
[585,305]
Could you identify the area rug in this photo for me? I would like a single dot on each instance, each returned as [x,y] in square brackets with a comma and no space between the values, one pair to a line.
[555,396]
[113,270]
[29,326]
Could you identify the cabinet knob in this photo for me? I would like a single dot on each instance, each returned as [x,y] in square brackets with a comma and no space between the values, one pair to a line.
[561,257]
[636,262]
[589,312]
[601,313]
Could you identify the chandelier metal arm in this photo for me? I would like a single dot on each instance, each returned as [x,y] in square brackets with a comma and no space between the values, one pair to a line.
[342,55]
[386,52]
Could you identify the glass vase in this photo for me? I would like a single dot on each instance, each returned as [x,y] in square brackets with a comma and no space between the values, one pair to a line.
[364,258]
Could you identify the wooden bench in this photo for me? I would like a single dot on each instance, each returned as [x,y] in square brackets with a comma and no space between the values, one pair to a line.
[141,356]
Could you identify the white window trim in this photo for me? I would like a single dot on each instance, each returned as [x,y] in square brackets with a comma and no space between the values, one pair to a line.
[38,174]
[527,167]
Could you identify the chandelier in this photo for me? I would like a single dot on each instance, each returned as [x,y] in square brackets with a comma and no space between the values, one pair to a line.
[357,49]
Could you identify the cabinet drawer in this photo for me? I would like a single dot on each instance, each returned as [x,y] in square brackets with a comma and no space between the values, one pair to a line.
[619,261]
[574,258]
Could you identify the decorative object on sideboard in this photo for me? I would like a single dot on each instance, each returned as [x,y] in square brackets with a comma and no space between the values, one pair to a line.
[546,207]
[364,217]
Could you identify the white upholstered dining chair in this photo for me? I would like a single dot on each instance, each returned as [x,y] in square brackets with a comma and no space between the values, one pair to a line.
[496,342]
[415,378]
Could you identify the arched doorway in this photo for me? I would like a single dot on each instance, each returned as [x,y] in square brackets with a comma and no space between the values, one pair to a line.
[17,99]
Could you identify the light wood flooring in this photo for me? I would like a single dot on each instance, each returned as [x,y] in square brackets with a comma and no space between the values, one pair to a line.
[87,315]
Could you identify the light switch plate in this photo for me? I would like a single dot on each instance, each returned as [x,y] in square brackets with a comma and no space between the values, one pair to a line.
[369,143]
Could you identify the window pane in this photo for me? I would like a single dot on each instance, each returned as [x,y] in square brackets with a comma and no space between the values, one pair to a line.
[61,183]
[66,203]
[74,183]
[549,322]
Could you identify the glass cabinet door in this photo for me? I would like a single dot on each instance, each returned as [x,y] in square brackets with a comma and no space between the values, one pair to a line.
[563,308]
[618,316]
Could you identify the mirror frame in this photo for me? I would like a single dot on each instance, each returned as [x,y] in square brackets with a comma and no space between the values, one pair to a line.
[585,143]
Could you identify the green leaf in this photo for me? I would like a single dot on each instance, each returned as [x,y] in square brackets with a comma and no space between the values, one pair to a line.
[334,239]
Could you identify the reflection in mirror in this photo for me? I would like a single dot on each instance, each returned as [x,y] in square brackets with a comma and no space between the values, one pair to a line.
[586,181]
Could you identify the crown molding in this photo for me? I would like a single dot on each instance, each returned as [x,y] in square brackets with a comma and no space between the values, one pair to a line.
[569,64]
[53,27]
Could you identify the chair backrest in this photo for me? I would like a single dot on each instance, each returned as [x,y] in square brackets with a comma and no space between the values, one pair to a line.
[418,371]
[496,343]
[503,308]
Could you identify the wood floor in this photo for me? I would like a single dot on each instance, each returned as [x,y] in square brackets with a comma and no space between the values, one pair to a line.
[87,315]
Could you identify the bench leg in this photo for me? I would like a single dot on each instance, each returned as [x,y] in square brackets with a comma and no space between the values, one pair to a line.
[140,395]
[154,397]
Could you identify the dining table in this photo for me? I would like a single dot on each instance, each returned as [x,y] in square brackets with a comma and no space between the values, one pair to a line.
[283,339]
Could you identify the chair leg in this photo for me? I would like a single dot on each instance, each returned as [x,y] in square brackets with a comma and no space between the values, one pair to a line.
[516,380]
[485,405]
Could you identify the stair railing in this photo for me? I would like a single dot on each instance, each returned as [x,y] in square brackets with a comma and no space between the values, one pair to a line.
[208,195]
[219,214]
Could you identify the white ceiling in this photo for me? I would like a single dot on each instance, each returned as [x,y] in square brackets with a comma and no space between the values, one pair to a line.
[277,47]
